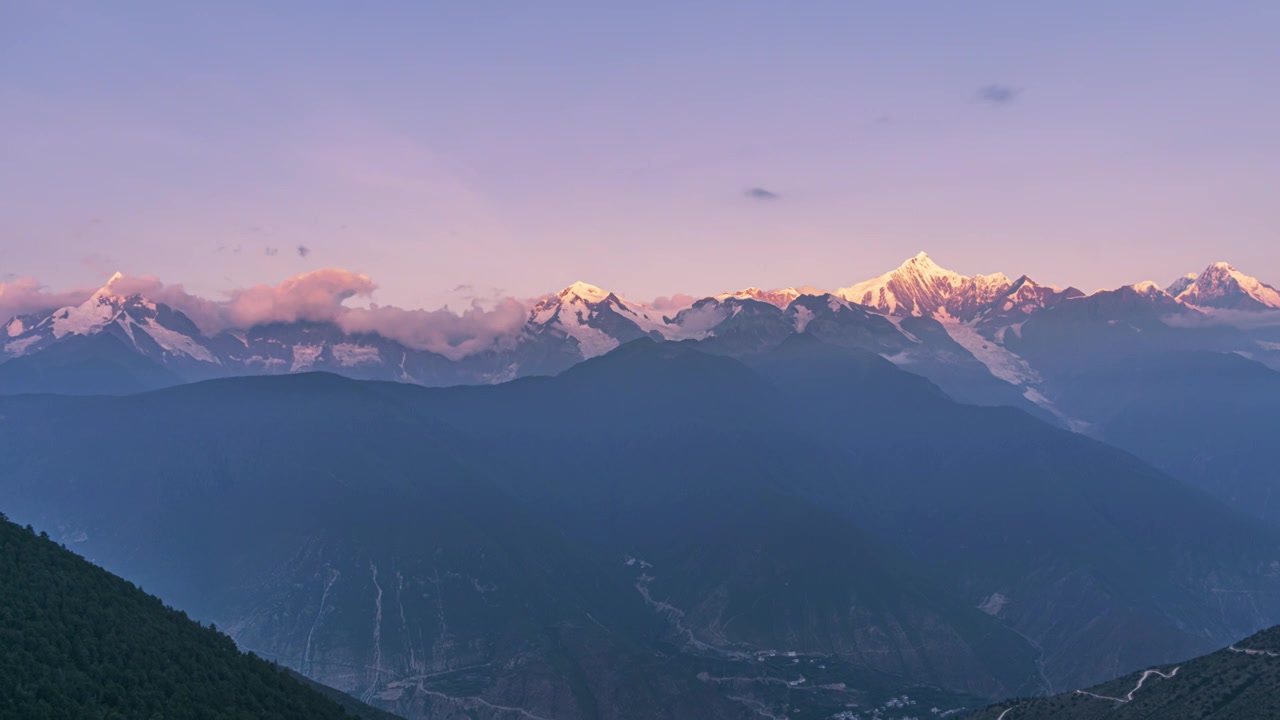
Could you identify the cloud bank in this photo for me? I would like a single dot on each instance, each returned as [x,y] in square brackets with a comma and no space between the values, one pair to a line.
[442,331]
[316,296]
[23,295]
[1218,317]
[672,303]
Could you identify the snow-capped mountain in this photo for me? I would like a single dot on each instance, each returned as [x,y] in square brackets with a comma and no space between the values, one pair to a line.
[778,298]
[839,322]
[595,319]
[155,330]
[733,324]
[962,332]
[1223,287]
[1177,287]
[920,288]
[1023,299]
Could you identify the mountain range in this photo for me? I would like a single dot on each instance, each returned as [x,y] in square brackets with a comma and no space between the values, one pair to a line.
[583,321]
[1182,375]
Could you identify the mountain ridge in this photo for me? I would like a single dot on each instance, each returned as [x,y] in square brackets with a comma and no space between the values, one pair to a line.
[579,322]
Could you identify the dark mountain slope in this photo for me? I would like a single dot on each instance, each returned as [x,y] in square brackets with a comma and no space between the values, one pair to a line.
[334,533]
[1101,560]
[308,472]
[776,571]
[346,702]
[94,365]
[1241,682]
[1207,418]
[76,641]
[1167,383]
[1082,548]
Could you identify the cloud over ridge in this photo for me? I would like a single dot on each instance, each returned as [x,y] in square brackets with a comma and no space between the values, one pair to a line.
[315,296]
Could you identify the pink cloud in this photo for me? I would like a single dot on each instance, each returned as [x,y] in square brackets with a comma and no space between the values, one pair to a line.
[316,296]
[442,331]
[679,301]
[208,315]
[23,295]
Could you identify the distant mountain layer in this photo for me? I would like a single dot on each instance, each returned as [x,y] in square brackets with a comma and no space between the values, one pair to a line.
[967,349]
[78,642]
[1241,682]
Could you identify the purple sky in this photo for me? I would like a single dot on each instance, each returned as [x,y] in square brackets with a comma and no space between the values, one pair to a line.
[482,148]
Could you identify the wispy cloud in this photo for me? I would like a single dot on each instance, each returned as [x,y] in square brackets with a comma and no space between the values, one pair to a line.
[271,251]
[998,95]
[303,251]
[759,193]
[1212,317]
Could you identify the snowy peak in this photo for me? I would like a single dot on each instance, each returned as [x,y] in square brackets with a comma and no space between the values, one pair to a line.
[925,264]
[1223,287]
[597,319]
[923,269]
[1177,287]
[108,290]
[1142,297]
[778,298]
[579,299]
[917,287]
[1023,298]
[151,328]
[1150,288]
[584,291]
[102,308]
[920,287]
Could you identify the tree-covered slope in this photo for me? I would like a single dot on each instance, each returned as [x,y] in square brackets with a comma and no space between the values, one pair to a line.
[79,642]
[1241,682]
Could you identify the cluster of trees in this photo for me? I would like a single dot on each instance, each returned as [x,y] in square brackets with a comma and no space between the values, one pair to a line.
[79,642]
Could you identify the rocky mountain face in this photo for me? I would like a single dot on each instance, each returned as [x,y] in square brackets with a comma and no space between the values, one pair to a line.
[656,532]
[921,288]
[153,330]
[1024,298]
[778,298]
[1222,286]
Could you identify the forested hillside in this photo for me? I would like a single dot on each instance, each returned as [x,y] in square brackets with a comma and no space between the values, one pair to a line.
[79,642]
[1241,682]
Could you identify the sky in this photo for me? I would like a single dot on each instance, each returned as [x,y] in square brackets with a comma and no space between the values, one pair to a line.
[454,151]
